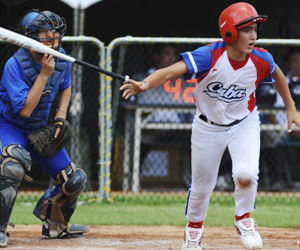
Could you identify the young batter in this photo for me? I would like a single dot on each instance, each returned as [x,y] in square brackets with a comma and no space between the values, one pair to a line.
[228,73]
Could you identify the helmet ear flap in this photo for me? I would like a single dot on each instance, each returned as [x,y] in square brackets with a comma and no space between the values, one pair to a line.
[231,35]
[259,30]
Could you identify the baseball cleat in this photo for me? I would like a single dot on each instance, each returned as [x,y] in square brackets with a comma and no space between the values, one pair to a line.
[72,231]
[250,237]
[192,238]
[3,239]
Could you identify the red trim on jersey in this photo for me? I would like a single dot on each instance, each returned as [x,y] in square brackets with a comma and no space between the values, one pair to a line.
[251,102]
[215,54]
[262,70]
[238,64]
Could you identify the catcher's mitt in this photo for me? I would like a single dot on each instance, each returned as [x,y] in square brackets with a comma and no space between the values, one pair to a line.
[43,140]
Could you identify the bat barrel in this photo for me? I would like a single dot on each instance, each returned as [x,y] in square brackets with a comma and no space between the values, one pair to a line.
[28,43]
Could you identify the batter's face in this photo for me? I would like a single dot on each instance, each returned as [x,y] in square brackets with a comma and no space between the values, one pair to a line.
[247,37]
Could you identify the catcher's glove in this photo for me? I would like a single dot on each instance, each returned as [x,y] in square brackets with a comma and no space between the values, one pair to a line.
[43,140]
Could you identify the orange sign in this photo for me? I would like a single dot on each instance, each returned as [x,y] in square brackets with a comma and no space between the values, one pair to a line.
[178,89]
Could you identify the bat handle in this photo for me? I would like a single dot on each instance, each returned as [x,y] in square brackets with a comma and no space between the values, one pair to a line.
[126,78]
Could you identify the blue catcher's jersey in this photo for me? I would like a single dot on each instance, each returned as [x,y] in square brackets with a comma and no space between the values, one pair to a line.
[20,73]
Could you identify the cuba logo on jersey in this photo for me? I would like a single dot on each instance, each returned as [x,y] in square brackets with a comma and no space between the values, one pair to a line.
[231,94]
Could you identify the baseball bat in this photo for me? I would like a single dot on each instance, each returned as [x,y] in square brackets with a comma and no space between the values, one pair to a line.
[31,44]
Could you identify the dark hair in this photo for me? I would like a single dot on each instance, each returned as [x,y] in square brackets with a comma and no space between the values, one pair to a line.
[159,47]
[292,51]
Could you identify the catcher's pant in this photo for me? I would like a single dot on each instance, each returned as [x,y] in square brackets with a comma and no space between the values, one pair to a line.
[208,145]
[10,133]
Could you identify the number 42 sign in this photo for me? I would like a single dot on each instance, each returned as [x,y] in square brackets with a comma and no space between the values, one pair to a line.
[182,90]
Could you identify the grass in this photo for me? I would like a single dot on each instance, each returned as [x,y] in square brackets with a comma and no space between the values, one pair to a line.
[158,210]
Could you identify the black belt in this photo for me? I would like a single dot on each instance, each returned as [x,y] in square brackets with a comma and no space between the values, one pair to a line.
[204,118]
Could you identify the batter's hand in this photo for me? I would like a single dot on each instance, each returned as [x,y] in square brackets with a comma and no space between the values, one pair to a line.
[293,117]
[132,87]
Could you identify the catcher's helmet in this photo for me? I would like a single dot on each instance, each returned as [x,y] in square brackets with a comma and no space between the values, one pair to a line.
[37,21]
[237,16]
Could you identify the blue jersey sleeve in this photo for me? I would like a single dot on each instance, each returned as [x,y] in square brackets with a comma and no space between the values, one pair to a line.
[270,60]
[67,78]
[14,84]
[266,56]
[198,62]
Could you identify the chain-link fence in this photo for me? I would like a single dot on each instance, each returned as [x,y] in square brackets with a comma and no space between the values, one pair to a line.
[144,143]
[83,110]
[151,142]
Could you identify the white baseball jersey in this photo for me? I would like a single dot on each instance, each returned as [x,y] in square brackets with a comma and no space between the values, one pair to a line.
[226,89]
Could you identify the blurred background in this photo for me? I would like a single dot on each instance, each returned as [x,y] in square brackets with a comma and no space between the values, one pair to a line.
[109,19]
[144,143]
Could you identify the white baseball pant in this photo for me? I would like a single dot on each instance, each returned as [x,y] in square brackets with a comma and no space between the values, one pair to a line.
[208,145]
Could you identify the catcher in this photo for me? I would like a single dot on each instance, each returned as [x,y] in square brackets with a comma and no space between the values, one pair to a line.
[29,86]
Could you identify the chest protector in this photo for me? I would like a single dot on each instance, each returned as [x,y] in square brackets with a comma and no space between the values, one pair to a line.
[39,116]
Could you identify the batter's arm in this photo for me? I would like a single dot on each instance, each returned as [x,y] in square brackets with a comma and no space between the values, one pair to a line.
[157,78]
[283,89]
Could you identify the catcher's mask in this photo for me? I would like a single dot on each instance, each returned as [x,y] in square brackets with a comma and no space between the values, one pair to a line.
[36,22]
[237,16]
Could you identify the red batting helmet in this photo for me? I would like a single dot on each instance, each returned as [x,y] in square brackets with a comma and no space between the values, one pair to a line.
[237,16]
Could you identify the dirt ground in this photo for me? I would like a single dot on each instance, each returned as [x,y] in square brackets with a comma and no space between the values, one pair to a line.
[147,237]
